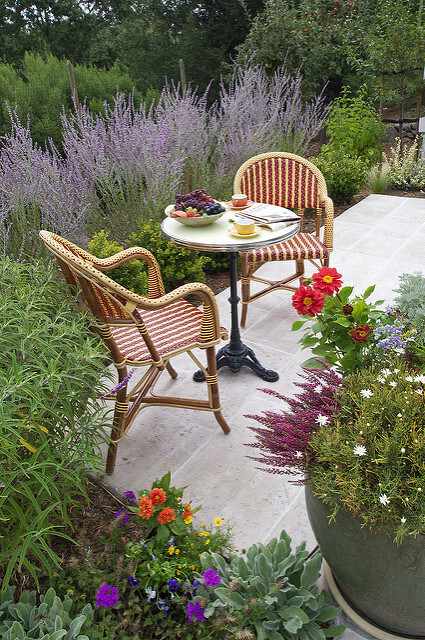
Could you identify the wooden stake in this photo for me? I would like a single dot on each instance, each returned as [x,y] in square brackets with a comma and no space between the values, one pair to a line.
[182,76]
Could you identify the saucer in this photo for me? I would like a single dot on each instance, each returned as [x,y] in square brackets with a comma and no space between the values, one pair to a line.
[229,204]
[233,232]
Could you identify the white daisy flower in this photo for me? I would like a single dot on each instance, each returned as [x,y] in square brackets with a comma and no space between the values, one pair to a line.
[381,379]
[318,388]
[409,378]
[366,393]
[419,391]
[403,450]
[396,370]
[322,420]
[386,372]
[299,454]
[403,520]
[384,499]
[393,383]
[420,378]
[359,450]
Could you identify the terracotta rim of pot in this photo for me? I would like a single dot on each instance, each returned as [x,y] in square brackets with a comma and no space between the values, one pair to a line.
[355,617]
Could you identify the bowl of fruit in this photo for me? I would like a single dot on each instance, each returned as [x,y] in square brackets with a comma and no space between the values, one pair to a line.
[195,209]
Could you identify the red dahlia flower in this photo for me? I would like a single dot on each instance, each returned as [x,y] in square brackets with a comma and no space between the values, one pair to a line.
[166,515]
[157,496]
[307,300]
[360,333]
[327,280]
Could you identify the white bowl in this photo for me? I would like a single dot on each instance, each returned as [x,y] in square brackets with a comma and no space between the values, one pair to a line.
[201,221]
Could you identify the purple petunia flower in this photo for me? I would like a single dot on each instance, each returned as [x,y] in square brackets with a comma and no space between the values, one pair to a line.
[130,496]
[195,612]
[122,516]
[172,585]
[107,596]
[133,582]
[211,578]
[162,606]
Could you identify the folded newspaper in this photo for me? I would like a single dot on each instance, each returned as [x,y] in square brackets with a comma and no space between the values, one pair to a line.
[269,216]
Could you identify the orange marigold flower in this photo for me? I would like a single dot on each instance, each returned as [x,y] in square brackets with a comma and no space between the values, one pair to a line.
[187,511]
[157,495]
[145,507]
[166,515]
[327,280]
[307,300]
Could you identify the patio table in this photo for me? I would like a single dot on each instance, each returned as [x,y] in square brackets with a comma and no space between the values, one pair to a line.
[216,237]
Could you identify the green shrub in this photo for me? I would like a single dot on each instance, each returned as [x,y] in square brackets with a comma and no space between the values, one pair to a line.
[406,169]
[51,619]
[269,593]
[354,127]
[178,265]
[51,419]
[411,300]
[132,276]
[344,175]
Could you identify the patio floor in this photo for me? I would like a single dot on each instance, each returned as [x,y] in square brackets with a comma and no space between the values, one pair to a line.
[375,241]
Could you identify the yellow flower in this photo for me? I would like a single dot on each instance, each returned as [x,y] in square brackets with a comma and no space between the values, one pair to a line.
[218,522]
[180,566]
[171,550]
[178,573]
[200,534]
[177,551]
[207,541]
[187,520]
[192,566]
[204,524]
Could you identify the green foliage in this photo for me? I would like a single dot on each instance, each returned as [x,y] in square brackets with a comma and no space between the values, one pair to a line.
[50,416]
[411,300]
[378,178]
[26,90]
[406,169]
[330,335]
[344,175]
[52,619]
[354,127]
[379,415]
[270,593]
[132,275]
[178,265]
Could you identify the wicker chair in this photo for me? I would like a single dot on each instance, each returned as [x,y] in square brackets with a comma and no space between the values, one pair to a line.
[143,332]
[286,180]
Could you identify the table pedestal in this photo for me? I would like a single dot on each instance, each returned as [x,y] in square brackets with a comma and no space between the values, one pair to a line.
[236,354]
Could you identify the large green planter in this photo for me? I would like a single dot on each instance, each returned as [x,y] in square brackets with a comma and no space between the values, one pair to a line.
[384,582]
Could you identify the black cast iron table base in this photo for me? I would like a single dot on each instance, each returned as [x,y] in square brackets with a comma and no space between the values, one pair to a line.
[236,354]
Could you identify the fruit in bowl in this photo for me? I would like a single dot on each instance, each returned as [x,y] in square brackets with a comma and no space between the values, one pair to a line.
[195,209]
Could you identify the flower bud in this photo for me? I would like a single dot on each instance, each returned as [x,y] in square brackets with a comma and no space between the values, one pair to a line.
[347,309]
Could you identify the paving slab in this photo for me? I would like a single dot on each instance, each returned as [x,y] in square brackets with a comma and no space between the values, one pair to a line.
[375,241]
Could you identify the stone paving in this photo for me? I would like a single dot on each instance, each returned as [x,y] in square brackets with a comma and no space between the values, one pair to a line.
[375,241]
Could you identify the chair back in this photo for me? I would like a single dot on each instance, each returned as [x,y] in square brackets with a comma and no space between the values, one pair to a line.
[109,302]
[282,179]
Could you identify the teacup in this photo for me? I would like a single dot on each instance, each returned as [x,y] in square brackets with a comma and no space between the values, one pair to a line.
[239,200]
[244,227]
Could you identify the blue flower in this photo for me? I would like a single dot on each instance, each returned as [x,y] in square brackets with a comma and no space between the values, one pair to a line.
[173,585]
[133,582]
[151,594]
[122,516]
[162,606]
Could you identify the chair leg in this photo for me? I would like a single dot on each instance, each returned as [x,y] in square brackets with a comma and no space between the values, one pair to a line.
[299,270]
[118,424]
[171,370]
[212,382]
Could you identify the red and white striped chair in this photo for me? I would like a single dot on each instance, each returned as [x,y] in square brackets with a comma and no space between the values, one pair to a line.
[285,180]
[143,332]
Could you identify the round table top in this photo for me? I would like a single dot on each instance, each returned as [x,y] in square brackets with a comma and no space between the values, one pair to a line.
[216,236]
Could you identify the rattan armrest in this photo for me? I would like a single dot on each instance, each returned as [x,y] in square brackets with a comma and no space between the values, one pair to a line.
[155,285]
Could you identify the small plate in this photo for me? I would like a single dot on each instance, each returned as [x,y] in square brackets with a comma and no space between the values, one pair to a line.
[233,232]
[248,204]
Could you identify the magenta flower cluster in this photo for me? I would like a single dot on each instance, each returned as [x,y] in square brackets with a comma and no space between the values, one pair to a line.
[284,437]
[107,596]
[211,578]
[195,612]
